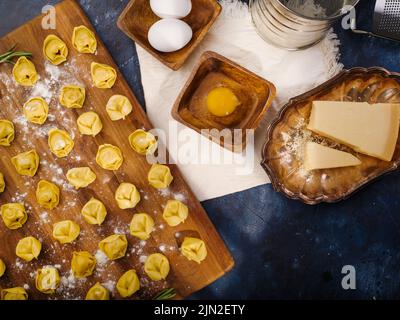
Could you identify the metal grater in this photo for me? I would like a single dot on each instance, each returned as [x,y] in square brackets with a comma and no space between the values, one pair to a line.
[386,22]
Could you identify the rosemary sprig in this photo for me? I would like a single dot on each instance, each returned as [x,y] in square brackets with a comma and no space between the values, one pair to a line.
[165,294]
[8,56]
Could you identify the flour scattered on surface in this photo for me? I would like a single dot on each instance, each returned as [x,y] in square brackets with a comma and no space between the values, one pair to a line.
[109,285]
[180,197]
[19,197]
[101,259]
[68,281]
[19,264]
[164,192]
[142,259]
[44,217]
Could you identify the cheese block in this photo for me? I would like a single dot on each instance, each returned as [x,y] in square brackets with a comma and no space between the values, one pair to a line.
[371,129]
[321,157]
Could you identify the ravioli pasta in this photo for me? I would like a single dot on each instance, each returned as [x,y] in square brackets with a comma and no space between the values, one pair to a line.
[114,246]
[157,267]
[109,157]
[127,196]
[26,163]
[60,142]
[28,248]
[14,215]
[66,231]
[17,293]
[118,107]
[98,292]
[47,280]
[103,75]
[2,183]
[7,132]
[82,264]
[141,226]
[2,268]
[143,142]
[72,97]
[84,40]
[36,110]
[194,249]
[175,212]
[94,212]
[89,124]
[80,177]
[47,194]
[24,72]
[128,284]
[159,176]
[55,50]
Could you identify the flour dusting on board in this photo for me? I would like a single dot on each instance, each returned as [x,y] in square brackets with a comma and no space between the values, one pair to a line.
[29,136]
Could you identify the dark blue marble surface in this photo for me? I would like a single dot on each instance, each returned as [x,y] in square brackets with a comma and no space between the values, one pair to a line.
[283,248]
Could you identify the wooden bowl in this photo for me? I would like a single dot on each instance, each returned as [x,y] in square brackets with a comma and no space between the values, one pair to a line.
[137,18]
[282,152]
[213,70]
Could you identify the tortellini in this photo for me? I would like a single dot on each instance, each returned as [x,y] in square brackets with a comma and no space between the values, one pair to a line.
[84,40]
[55,50]
[47,280]
[159,176]
[80,177]
[175,212]
[26,163]
[103,75]
[28,248]
[72,97]
[2,183]
[141,226]
[24,72]
[114,246]
[14,215]
[127,196]
[36,110]
[66,231]
[128,284]
[17,293]
[7,132]
[82,264]
[89,124]
[143,142]
[94,212]
[98,292]
[118,107]
[194,249]
[2,268]
[60,142]
[157,267]
[109,157]
[47,194]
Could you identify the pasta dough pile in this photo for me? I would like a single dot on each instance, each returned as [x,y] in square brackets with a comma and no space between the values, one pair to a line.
[109,157]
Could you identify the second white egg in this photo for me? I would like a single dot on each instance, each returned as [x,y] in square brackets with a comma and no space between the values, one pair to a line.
[169,35]
[176,9]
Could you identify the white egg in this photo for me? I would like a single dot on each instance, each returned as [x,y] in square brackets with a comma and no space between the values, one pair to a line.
[176,9]
[168,35]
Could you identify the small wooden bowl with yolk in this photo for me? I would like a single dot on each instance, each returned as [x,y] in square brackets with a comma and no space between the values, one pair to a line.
[221,95]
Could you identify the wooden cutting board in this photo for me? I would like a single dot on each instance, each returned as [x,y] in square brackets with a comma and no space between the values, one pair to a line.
[187,277]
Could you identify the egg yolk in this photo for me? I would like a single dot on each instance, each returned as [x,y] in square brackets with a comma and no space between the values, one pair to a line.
[222,102]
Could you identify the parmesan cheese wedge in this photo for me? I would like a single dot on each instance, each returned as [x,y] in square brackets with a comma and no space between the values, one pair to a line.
[321,157]
[370,129]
